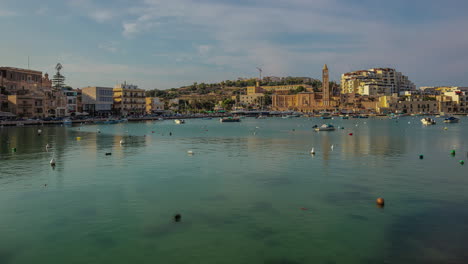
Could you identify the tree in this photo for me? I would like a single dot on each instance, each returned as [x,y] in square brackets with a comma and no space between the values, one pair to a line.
[58,80]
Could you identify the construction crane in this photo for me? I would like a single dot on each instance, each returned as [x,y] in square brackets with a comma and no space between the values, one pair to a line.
[260,72]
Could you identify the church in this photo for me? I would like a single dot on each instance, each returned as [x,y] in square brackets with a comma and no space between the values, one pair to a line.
[307,101]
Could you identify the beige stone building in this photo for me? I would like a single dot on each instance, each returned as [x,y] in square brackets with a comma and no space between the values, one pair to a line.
[307,101]
[154,105]
[375,82]
[16,79]
[30,105]
[129,100]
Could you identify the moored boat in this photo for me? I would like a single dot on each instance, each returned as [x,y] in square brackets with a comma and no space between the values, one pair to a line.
[325,127]
[67,122]
[229,119]
[428,121]
[451,120]
[179,121]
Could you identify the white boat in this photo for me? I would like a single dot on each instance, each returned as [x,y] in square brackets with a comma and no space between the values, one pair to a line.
[179,121]
[229,119]
[325,127]
[428,121]
[67,122]
[451,120]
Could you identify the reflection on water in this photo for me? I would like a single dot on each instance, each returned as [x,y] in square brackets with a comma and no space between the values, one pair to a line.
[251,193]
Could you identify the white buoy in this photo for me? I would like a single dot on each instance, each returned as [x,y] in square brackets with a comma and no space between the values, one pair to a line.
[52,162]
[39,131]
[312,151]
[255,133]
[122,142]
[98,130]
[332,147]
[409,123]
[47,146]
[190,152]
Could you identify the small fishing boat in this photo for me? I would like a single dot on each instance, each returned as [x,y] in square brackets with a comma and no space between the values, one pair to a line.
[111,121]
[67,122]
[229,119]
[451,120]
[325,127]
[179,121]
[428,121]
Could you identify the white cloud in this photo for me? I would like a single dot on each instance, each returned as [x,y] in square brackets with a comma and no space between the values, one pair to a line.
[203,50]
[294,37]
[7,13]
[110,46]
[102,15]
[41,11]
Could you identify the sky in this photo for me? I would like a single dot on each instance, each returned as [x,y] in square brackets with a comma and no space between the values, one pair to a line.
[169,43]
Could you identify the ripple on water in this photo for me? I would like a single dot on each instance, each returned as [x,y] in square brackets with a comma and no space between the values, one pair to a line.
[437,235]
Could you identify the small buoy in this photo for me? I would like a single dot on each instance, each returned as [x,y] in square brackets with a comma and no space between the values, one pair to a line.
[445,128]
[122,142]
[13,149]
[170,133]
[255,133]
[78,138]
[108,154]
[52,162]
[452,152]
[421,156]
[380,201]
[409,123]
[331,147]
[177,218]
[462,162]
[312,151]
[190,152]
[342,127]
[350,134]
[98,130]
[45,185]
[39,132]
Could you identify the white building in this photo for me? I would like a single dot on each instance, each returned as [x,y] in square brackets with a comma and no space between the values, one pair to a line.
[97,100]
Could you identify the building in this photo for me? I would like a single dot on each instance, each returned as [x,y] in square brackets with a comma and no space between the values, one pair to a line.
[27,105]
[375,82]
[154,105]
[250,99]
[97,101]
[15,79]
[325,86]
[301,102]
[306,101]
[129,100]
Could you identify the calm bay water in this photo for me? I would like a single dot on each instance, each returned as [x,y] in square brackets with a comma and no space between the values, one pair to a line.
[242,194]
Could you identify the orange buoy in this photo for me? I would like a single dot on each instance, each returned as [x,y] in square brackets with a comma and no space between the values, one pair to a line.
[380,201]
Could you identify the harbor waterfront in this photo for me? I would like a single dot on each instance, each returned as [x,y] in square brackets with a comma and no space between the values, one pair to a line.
[250,192]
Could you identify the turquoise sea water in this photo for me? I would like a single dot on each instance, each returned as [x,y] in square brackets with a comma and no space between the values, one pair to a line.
[251,193]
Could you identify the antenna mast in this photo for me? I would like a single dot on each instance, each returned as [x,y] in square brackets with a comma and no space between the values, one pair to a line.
[260,72]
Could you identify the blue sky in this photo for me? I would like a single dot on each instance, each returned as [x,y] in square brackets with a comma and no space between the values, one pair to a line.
[163,44]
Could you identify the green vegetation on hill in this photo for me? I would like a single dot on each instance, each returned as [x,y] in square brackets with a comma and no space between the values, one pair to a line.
[229,87]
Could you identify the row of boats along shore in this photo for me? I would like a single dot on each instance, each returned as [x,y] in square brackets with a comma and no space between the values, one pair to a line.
[328,127]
